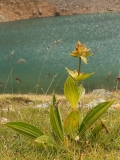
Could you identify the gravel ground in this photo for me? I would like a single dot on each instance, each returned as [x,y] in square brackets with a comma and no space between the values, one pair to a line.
[11,10]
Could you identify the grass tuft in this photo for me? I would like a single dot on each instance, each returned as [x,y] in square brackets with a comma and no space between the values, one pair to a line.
[22,108]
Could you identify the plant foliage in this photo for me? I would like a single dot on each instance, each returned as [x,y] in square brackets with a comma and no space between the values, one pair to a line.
[73,124]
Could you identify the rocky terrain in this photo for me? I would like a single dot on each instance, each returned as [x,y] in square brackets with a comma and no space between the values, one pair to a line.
[11,10]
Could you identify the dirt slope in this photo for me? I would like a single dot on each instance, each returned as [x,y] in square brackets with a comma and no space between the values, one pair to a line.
[11,10]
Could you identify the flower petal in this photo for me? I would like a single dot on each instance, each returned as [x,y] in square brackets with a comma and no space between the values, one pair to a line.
[84,59]
[76,77]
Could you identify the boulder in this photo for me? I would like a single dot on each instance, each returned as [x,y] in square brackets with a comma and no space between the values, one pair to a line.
[40,11]
[42,105]
[94,103]
[102,92]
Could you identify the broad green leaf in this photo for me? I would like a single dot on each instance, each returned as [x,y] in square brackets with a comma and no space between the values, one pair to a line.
[46,140]
[96,131]
[71,92]
[25,128]
[78,77]
[57,112]
[58,115]
[81,91]
[56,122]
[72,122]
[53,99]
[81,77]
[93,115]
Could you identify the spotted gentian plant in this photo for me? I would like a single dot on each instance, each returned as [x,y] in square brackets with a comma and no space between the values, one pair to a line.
[74,125]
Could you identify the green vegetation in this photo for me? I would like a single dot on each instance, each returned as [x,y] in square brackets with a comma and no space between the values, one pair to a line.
[20,108]
[63,131]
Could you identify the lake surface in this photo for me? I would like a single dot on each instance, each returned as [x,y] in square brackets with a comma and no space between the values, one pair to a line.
[33,41]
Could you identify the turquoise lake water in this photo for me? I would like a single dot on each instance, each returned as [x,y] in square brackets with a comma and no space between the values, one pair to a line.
[33,40]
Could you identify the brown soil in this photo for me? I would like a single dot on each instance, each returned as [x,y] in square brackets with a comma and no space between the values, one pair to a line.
[11,10]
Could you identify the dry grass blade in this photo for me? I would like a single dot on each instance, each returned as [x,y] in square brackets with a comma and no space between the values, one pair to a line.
[58,41]
[20,61]
[1,84]
[95,51]
[11,55]
[108,76]
[104,127]
[118,78]
[18,80]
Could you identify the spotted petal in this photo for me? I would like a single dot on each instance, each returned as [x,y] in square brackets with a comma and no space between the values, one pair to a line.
[81,51]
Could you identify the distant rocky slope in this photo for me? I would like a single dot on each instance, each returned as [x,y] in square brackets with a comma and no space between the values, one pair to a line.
[11,10]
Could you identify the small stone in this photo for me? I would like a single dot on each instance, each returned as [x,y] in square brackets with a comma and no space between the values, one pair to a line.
[34,12]
[77,138]
[40,11]
[116,106]
[30,103]
[42,105]
[4,120]
[109,9]
[8,109]
[102,92]
[17,12]
[94,103]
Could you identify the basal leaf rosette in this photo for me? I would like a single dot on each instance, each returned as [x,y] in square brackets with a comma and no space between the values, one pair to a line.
[78,77]
[81,51]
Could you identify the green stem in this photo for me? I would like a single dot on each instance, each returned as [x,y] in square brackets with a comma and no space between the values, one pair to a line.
[79,65]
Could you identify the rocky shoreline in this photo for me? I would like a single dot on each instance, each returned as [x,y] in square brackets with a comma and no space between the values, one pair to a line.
[11,10]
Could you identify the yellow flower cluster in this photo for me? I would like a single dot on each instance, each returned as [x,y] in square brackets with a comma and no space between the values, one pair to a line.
[81,51]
